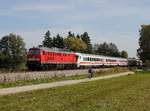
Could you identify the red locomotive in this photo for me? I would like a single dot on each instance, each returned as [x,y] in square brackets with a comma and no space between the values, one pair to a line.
[50,58]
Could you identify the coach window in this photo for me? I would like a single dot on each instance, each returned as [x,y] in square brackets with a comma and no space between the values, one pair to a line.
[84,59]
[88,59]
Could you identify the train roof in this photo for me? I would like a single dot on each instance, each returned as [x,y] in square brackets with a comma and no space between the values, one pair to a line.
[54,49]
[100,56]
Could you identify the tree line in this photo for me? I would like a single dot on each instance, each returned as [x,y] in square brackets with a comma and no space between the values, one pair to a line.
[82,43]
[13,51]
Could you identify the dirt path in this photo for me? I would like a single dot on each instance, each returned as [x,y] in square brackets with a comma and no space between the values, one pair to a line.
[13,90]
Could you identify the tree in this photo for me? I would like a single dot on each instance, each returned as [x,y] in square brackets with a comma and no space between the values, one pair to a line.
[144,43]
[124,54]
[113,50]
[103,49]
[86,38]
[58,41]
[13,54]
[70,34]
[108,49]
[75,44]
[78,36]
[47,42]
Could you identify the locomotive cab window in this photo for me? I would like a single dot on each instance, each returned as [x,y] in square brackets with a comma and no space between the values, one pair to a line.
[34,52]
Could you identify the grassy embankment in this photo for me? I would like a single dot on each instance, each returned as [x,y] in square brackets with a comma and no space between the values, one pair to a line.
[128,93]
[54,79]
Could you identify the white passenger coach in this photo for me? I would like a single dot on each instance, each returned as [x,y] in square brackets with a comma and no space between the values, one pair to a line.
[86,60]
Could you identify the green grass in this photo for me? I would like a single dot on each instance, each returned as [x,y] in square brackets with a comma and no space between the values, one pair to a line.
[128,93]
[48,80]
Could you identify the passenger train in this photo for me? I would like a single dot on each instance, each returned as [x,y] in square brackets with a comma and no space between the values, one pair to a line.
[50,58]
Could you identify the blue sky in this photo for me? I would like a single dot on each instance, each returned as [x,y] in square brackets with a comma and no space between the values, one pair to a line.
[116,21]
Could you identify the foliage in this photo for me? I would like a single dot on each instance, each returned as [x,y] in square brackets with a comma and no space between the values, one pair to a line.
[112,70]
[129,93]
[147,63]
[108,49]
[13,55]
[75,44]
[133,68]
[48,42]
[124,54]
[58,42]
[85,37]
[144,43]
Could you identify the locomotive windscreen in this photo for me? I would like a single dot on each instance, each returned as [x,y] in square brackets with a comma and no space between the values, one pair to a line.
[34,52]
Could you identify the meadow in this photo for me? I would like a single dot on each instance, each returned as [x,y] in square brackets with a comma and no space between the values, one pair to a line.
[128,93]
[8,84]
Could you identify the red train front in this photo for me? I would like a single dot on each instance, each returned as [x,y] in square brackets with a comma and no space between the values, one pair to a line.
[50,58]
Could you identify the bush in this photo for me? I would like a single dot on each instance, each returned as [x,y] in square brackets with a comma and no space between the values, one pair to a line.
[113,70]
